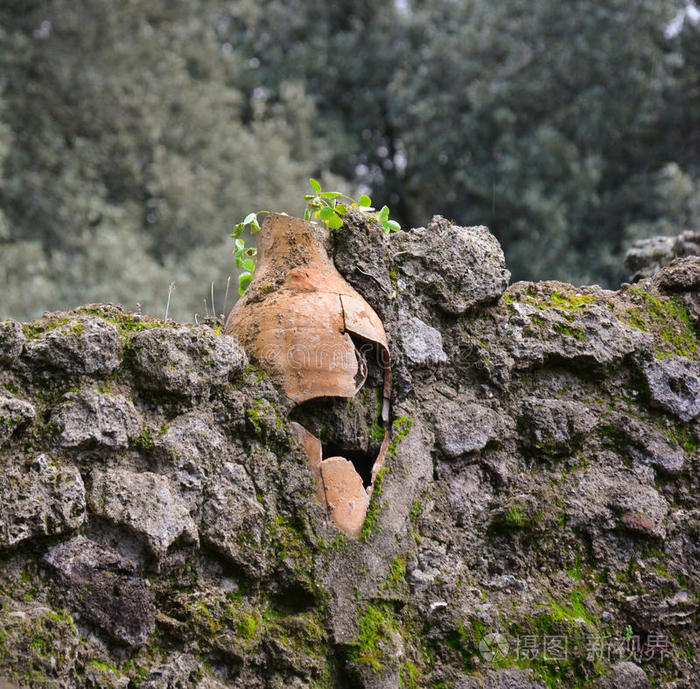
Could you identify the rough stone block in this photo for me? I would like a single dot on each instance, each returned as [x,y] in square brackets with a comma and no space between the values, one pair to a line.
[82,346]
[89,419]
[44,500]
[14,413]
[146,504]
[104,587]
[184,361]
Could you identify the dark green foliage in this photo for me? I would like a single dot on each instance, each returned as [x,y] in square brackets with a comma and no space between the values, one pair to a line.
[133,135]
[128,151]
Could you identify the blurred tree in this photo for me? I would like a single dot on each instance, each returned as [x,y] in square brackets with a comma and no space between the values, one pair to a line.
[533,117]
[124,131]
[672,190]
[133,135]
[544,120]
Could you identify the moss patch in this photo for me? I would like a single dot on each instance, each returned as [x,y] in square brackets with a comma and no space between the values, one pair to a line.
[374,506]
[570,330]
[399,430]
[566,300]
[667,320]
[38,328]
[377,629]
[126,322]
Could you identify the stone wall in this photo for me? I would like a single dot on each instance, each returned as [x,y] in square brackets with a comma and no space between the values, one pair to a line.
[159,527]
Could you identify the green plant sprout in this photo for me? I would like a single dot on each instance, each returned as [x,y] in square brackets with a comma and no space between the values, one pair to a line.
[245,256]
[328,207]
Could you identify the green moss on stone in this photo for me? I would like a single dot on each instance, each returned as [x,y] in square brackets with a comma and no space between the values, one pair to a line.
[376,629]
[570,330]
[38,328]
[399,430]
[396,579]
[558,299]
[373,509]
[126,322]
[145,440]
[667,320]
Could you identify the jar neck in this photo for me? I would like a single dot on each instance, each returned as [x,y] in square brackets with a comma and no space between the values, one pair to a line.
[293,240]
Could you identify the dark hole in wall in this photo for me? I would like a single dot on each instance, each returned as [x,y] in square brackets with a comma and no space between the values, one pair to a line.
[362,461]
[372,355]
[293,601]
[354,425]
[350,427]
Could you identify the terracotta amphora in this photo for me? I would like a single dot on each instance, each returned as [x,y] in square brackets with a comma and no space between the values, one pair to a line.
[298,314]
[297,320]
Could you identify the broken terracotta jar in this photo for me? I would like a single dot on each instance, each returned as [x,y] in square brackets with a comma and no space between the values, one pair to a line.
[300,321]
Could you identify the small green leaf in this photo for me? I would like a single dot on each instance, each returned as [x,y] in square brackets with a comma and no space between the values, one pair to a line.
[248,264]
[314,183]
[240,244]
[335,221]
[330,194]
[307,214]
[326,213]
[243,281]
[341,209]
[384,214]
[254,226]
[393,225]
[250,218]
[364,200]
[308,197]
[251,251]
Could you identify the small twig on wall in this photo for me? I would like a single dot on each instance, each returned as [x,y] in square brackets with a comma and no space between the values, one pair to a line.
[228,283]
[213,308]
[171,289]
[206,308]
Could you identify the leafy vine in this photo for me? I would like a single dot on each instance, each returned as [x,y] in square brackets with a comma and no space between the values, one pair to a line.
[327,207]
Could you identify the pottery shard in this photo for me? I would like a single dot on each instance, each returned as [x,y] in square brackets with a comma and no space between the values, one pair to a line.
[346,496]
[305,344]
[314,453]
[298,314]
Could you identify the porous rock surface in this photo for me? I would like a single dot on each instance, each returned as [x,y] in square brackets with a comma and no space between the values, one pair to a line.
[536,526]
[646,256]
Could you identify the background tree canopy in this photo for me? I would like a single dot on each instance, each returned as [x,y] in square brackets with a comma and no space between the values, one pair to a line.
[134,134]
